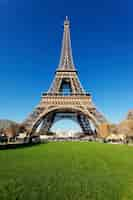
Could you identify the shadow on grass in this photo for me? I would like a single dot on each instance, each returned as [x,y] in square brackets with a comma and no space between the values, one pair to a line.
[18,146]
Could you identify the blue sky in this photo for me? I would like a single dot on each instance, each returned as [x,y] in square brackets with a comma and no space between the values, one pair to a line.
[30,42]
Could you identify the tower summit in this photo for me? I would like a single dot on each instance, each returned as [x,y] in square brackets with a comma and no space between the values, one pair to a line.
[66,96]
[66,58]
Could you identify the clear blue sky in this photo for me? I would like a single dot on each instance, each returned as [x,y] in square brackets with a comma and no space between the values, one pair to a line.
[30,42]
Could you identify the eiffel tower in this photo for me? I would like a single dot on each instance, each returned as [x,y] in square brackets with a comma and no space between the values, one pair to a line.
[65,95]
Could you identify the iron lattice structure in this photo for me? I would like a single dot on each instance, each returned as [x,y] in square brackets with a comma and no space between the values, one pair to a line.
[76,101]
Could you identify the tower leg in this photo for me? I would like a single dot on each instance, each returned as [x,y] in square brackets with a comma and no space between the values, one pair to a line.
[33,117]
[85,124]
[47,123]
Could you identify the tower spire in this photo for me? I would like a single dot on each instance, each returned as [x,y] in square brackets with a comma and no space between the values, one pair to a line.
[66,58]
[66,18]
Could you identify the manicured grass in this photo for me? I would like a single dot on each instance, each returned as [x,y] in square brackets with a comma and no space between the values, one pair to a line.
[67,171]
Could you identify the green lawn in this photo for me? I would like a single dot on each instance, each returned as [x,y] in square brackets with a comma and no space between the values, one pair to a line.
[67,171]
